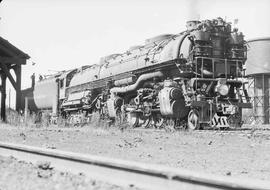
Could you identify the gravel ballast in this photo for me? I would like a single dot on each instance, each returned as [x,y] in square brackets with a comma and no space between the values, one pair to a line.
[243,154]
[20,175]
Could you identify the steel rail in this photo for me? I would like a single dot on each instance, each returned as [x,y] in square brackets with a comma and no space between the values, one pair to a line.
[127,173]
[237,130]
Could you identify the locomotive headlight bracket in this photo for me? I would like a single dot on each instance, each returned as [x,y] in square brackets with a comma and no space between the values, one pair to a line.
[222,88]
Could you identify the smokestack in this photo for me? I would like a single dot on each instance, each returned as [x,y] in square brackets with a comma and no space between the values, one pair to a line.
[33,80]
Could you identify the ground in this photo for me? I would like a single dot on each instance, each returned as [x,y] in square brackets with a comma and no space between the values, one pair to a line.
[27,176]
[243,154]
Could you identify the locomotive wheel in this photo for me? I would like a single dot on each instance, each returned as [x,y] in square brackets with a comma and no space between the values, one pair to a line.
[133,119]
[193,120]
[119,117]
[159,121]
[235,120]
[170,125]
[145,121]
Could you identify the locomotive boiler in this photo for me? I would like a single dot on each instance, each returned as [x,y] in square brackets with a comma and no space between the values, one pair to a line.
[192,79]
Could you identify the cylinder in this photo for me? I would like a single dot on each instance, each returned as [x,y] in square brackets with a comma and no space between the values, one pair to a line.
[179,109]
[175,93]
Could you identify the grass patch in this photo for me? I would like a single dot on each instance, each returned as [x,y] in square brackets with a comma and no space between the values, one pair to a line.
[93,122]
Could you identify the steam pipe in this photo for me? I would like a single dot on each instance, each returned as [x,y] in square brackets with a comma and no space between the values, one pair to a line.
[138,83]
[180,44]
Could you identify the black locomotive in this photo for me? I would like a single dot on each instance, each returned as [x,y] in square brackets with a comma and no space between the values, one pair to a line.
[193,79]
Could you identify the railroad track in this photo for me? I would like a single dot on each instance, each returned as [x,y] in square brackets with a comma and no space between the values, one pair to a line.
[125,173]
[212,131]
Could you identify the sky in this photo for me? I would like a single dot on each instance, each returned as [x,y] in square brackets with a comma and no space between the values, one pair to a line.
[65,34]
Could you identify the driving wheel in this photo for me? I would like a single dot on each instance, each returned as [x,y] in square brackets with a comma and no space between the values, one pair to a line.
[193,119]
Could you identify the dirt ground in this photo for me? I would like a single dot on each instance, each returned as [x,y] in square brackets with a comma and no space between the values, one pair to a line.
[243,154]
[27,176]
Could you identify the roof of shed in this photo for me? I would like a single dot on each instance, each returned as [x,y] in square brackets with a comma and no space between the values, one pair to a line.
[9,50]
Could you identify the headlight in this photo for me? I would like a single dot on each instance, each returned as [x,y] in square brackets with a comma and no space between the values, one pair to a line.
[222,89]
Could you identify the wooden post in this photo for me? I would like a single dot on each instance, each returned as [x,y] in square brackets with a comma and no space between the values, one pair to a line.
[3,97]
[18,71]
[26,109]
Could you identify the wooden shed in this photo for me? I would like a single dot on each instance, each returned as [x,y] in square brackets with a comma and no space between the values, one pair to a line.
[11,58]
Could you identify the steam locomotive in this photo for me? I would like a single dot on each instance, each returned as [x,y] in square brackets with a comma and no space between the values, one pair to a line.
[188,80]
